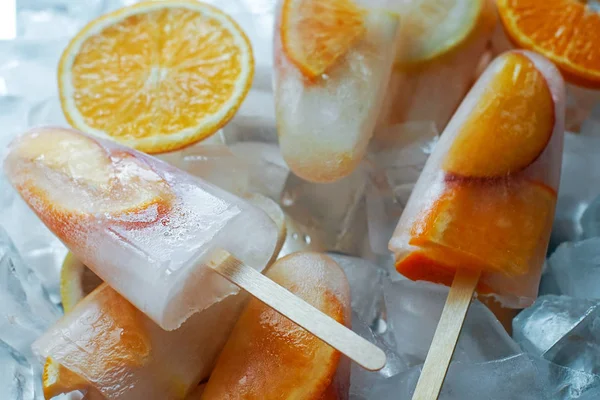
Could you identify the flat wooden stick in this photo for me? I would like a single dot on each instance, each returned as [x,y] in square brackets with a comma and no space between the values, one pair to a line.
[313,320]
[446,335]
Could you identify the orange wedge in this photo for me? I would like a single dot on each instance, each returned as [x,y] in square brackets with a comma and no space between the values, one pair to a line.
[157,76]
[565,31]
[511,123]
[316,33]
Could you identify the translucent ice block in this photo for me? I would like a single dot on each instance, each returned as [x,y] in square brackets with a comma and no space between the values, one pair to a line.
[269,357]
[141,225]
[325,121]
[486,198]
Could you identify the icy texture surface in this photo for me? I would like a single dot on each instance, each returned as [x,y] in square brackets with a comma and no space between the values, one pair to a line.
[578,186]
[540,326]
[590,220]
[16,375]
[574,269]
[414,309]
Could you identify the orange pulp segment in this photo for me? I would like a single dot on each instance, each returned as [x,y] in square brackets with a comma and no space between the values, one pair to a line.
[269,357]
[157,76]
[498,227]
[565,31]
[511,123]
[57,380]
[316,33]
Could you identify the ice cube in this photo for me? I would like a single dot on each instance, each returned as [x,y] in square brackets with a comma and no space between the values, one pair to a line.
[13,117]
[414,310]
[255,120]
[566,383]
[394,170]
[590,220]
[511,378]
[336,209]
[300,237]
[361,380]
[16,375]
[267,172]
[579,349]
[215,163]
[366,286]
[579,186]
[574,269]
[540,326]
[25,307]
[47,112]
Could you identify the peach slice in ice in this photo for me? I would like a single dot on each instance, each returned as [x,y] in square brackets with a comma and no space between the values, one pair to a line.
[511,123]
[481,225]
[269,357]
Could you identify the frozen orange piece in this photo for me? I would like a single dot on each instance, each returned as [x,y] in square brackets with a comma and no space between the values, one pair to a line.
[511,123]
[565,31]
[269,357]
[316,33]
[491,226]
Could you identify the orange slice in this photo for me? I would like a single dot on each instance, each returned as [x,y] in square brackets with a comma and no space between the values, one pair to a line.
[432,29]
[565,31]
[269,357]
[67,176]
[494,226]
[57,380]
[157,76]
[511,123]
[316,33]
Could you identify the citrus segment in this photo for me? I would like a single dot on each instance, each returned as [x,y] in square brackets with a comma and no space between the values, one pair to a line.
[433,29]
[316,33]
[492,226]
[131,76]
[511,123]
[57,380]
[269,357]
[565,31]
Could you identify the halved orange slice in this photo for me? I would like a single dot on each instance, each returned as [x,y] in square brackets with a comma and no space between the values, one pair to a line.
[157,76]
[565,31]
[316,33]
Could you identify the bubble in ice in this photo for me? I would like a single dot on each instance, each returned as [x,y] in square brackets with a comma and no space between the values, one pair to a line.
[590,220]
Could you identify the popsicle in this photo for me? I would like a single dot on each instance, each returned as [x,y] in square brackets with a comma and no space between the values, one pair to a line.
[481,212]
[268,357]
[439,47]
[141,225]
[333,59]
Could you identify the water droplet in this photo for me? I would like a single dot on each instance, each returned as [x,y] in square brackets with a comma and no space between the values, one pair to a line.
[295,236]
[307,239]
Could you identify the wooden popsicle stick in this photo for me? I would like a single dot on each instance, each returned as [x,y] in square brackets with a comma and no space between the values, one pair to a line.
[313,320]
[446,335]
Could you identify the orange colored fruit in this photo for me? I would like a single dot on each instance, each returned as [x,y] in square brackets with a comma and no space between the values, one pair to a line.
[156,76]
[432,29]
[511,123]
[57,380]
[496,227]
[69,178]
[315,34]
[269,357]
[565,31]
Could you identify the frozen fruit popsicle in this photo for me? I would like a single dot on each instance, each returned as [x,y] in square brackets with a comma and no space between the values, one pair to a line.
[269,357]
[439,47]
[141,225]
[332,61]
[119,352]
[485,200]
